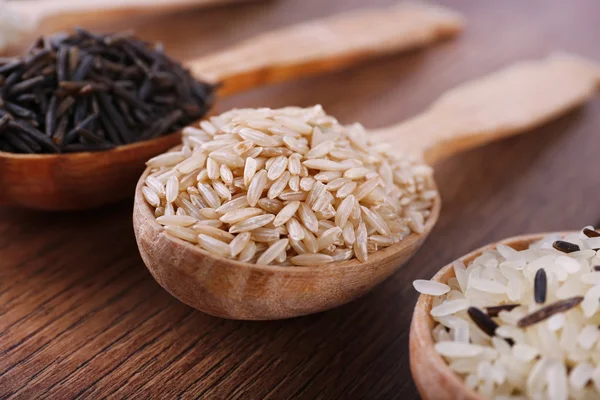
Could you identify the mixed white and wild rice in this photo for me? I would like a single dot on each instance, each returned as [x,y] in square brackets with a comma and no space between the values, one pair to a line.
[524,324]
[287,186]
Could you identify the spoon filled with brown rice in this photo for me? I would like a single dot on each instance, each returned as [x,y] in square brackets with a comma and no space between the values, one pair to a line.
[266,214]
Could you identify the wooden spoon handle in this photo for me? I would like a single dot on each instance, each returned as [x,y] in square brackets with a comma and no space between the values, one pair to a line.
[510,101]
[325,44]
[64,14]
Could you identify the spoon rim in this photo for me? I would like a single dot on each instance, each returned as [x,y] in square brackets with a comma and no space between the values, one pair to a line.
[134,146]
[421,340]
[148,215]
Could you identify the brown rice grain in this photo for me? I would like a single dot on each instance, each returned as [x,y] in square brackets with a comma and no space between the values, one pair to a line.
[221,190]
[213,245]
[178,220]
[251,223]
[295,183]
[279,185]
[348,234]
[286,213]
[298,246]
[233,204]
[373,219]
[360,245]
[346,189]
[180,232]
[240,214]
[249,170]
[151,196]
[355,173]
[328,237]
[307,183]
[272,252]
[214,232]
[344,210]
[248,252]
[311,259]
[272,206]
[294,229]
[290,195]
[294,164]
[256,187]
[265,235]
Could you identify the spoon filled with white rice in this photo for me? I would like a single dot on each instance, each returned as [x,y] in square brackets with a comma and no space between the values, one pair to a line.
[516,320]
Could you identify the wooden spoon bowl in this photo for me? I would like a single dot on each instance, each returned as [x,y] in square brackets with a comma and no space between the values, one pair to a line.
[237,290]
[78,180]
[433,377]
[467,116]
[87,180]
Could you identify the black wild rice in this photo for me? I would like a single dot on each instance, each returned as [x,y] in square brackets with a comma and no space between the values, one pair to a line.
[483,321]
[565,247]
[89,92]
[540,285]
[495,310]
[548,311]
[591,233]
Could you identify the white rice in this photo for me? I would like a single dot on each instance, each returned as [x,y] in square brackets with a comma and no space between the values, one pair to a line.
[301,188]
[553,354]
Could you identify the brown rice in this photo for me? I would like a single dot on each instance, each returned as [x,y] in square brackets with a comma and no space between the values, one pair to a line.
[288,186]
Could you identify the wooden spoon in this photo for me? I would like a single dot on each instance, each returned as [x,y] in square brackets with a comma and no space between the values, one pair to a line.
[434,379]
[505,103]
[20,20]
[85,180]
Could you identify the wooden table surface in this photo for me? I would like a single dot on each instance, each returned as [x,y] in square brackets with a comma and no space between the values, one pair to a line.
[80,316]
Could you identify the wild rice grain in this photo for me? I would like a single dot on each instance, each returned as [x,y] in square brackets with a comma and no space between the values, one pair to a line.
[548,311]
[591,233]
[540,286]
[565,247]
[483,321]
[495,310]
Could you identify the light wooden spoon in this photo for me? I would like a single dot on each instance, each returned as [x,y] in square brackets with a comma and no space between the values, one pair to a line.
[505,103]
[85,180]
[434,379]
[21,20]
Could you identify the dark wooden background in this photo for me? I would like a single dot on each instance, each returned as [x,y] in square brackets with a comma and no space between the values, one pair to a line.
[80,316]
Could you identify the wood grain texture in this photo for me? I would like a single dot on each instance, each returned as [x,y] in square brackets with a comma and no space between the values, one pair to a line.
[81,316]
